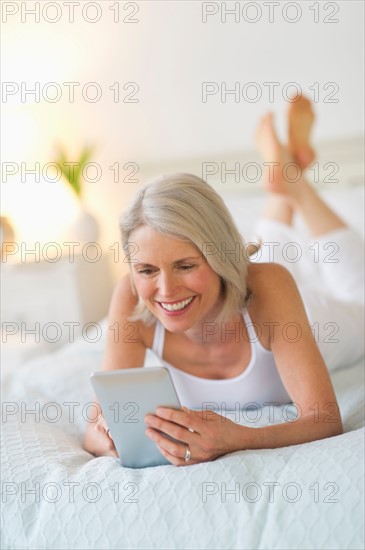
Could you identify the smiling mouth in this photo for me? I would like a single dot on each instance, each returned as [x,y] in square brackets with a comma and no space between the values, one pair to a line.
[176,306]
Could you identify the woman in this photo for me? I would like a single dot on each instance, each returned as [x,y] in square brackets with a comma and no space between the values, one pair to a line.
[231,331]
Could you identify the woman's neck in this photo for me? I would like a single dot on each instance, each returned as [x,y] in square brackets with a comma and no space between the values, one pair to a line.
[213,333]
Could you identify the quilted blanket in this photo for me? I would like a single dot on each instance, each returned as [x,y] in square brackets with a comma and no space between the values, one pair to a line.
[55,495]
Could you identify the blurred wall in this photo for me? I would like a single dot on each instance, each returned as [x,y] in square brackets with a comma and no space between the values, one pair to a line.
[137,71]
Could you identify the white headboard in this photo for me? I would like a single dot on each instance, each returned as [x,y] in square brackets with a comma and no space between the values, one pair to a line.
[340,163]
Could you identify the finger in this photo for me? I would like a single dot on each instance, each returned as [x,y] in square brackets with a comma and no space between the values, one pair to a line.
[173,448]
[101,424]
[170,428]
[189,428]
[167,455]
[109,444]
[101,428]
[185,418]
[105,436]
[111,452]
[177,458]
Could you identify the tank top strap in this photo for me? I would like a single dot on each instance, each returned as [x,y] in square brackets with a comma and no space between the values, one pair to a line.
[250,327]
[158,339]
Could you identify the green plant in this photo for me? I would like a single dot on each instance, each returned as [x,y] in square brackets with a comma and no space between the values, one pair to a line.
[72,170]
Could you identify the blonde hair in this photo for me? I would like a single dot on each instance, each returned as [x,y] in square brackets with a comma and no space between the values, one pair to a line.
[185,207]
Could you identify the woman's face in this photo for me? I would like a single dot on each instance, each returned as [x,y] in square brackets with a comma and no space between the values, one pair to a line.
[174,280]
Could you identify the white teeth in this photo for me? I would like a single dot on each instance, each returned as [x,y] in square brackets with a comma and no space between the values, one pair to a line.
[177,306]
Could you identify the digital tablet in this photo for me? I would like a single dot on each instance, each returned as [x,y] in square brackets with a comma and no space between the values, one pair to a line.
[125,397]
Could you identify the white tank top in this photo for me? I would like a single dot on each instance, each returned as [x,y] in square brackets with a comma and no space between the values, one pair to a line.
[257,385]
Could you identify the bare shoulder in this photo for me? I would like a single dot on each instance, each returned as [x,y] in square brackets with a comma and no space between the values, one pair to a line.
[263,278]
[275,295]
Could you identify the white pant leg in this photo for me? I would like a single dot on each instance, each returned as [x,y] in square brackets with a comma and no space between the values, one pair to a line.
[283,245]
[332,291]
[337,326]
[340,258]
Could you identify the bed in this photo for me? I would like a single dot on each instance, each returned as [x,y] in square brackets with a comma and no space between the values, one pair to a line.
[55,495]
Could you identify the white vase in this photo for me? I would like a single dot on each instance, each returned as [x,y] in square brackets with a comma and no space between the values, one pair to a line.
[85,228]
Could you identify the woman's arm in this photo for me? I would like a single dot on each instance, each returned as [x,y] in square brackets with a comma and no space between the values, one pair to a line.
[125,348]
[310,427]
[304,374]
[299,363]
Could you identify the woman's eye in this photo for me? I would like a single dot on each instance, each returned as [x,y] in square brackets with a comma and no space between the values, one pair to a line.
[145,271]
[186,267]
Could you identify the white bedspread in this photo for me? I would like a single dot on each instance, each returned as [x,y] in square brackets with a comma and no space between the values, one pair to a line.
[58,496]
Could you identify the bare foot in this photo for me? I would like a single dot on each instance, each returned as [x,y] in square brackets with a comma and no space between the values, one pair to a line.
[281,172]
[301,119]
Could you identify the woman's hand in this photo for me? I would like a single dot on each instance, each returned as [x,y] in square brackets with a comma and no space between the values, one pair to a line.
[105,442]
[206,434]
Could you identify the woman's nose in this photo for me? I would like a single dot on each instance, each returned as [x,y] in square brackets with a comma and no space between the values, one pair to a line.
[167,285]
